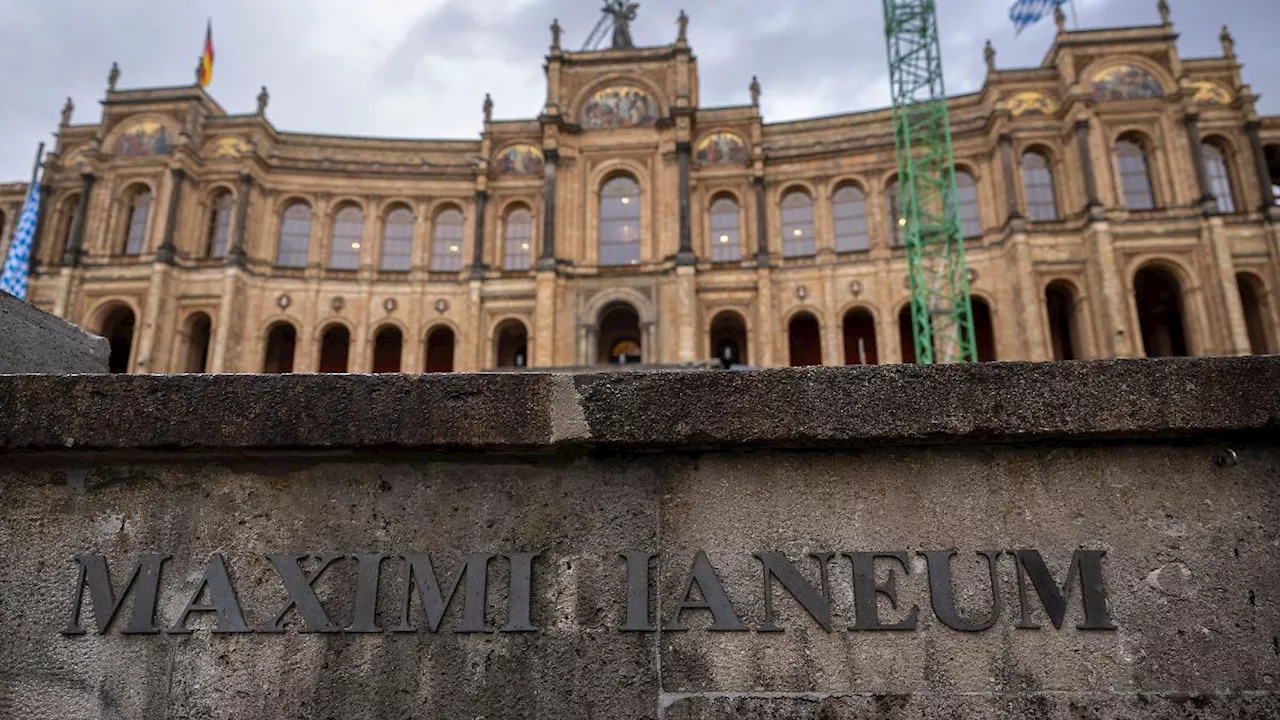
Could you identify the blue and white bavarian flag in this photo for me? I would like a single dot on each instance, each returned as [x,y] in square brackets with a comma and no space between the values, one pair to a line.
[1026,13]
[17,264]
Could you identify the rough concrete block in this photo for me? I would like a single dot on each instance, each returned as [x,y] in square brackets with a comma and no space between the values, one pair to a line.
[34,341]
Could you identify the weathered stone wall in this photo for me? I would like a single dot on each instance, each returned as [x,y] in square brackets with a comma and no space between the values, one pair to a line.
[1161,474]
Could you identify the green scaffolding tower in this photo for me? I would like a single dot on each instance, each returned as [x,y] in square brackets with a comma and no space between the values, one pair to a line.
[928,211]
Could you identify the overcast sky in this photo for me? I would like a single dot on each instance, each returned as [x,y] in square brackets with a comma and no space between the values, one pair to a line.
[420,68]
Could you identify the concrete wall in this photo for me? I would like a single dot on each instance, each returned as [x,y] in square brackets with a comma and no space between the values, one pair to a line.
[1161,474]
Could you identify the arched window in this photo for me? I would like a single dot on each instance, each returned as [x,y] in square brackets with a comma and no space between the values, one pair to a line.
[849,211]
[1060,301]
[860,338]
[1219,176]
[1135,174]
[894,214]
[1257,311]
[797,224]
[512,345]
[620,222]
[1271,153]
[620,341]
[70,211]
[335,349]
[446,241]
[397,241]
[907,335]
[726,230]
[517,243]
[1159,299]
[282,342]
[440,342]
[729,338]
[295,236]
[387,347]
[219,231]
[804,341]
[1037,183]
[984,332]
[967,197]
[348,229]
[117,328]
[197,331]
[135,236]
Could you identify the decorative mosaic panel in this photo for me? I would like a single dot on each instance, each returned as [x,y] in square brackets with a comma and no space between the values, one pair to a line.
[145,137]
[521,159]
[1032,102]
[1125,82]
[232,146]
[722,148]
[621,106]
[1208,92]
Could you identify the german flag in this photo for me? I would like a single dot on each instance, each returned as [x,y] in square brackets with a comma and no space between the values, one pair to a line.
[206,59]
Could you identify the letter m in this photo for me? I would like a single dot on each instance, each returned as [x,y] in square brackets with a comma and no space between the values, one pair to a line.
[1085,564]
[145,579]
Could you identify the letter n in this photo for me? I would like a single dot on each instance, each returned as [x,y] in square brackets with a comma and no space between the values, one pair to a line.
[1087,564]
[145,579]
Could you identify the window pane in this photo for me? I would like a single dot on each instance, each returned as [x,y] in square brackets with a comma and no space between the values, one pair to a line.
[970,214]
[849,210]
[797,225]
[136,236]
[1135,178]
[620,222]
[518,244]
[348,227]
[1215,163]
[446,243]
[1037,183]
[220,226]
[397,241]
[893,202]
[295,236]
[726,233]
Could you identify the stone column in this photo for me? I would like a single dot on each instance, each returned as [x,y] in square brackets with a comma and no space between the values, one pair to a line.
[149,326]
[547,260]
[762,225]
[477,256]
[1010,178]
[71,254]
[167,252]
[1034,315]
[1260,166]
[544,317]
[1208,203]
[1086,165]
[236,256]
[1117,340]
[649,344]
[685,256]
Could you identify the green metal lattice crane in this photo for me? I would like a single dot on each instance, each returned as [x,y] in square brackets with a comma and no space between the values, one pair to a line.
[929,214]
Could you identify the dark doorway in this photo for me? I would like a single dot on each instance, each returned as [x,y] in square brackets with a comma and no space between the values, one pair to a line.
[440,351]
[906,335]
[335,349]
[117,328]
[620,340]
[984,334]
[860,338]
[729,338]
[282,341]
[199,327]
[804,336]
[1159,300]
[1060,303]
[387,347]
[512,344]
[1256,312]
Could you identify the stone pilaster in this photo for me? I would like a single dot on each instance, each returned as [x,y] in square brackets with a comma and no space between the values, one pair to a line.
[547,260]
[477,255]
[1208,203]
[1093,205]
[686,255]
[73,251]
[236,256]
[167,252]
[762,224]
[1010,178]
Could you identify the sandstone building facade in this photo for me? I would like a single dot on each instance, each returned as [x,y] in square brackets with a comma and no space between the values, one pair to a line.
[1118,200]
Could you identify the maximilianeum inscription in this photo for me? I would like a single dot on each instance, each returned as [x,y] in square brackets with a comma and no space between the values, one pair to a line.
[429,591]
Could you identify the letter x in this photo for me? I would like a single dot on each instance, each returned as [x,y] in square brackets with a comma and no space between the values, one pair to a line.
[301,594]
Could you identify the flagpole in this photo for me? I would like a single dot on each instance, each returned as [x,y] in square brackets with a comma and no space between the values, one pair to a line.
[35,171]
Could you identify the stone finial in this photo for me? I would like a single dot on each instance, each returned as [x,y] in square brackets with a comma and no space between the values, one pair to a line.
[555,35]
[755,91]
[989,53]
[263,98]
[1163,7]
[1228,43]
[67,110]
[199,71]
[113,77]
[488,109]
[683,22]
[1060,18]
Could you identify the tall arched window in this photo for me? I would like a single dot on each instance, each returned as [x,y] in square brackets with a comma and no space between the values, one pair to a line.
[797,224]
[397,241]
[70,210]
[1158,296]
[517,241]
[620,222]
[446,241]
[849,211]
[1219,175]
[295,236]
[967,197]
[219,231]
[893,208]
[1037,183]
[726,230]
[135,237]
[1135,174]
[984,332]
[348,229]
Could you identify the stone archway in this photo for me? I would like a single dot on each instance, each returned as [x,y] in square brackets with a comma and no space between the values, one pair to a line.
[729,338]
[282,345]
[620,340]
[511,341]
[118,328]
[196,332]
[1158,296]
[1064,332]
[335,349]
[860,338]
[804,340]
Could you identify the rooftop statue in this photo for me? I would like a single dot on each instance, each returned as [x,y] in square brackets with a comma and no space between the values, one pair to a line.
[623,13]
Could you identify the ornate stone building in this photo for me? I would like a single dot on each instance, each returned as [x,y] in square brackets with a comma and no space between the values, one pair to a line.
[1118,201]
